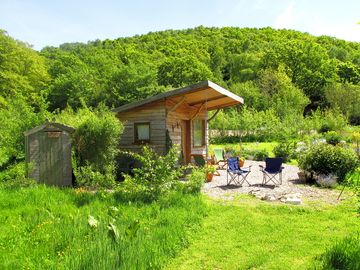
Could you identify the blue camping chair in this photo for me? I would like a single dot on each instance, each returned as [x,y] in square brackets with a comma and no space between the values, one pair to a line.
[235,174]
[272,170]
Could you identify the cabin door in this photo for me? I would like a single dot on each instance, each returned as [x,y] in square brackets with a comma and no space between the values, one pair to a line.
[186,140]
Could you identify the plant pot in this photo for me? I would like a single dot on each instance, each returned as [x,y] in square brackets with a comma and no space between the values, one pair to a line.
[209,177]
[241,163]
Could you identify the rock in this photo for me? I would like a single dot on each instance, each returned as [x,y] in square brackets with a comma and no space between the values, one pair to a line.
[269,197]
[293,200]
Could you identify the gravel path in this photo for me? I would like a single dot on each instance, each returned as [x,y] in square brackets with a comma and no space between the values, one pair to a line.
[291,187]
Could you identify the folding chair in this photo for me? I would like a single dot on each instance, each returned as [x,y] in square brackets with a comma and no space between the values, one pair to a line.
[272,169]
[219,157]
[236,174]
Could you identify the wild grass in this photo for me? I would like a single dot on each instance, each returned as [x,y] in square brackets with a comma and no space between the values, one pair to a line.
[52,228]
[251,234]
[268,146]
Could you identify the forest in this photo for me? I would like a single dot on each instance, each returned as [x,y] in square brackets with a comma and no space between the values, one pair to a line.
[290,81]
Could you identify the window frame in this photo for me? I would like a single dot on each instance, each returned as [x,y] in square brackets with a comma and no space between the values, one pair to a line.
[203,130]
[136,135]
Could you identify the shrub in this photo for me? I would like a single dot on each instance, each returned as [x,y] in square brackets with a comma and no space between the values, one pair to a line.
[329,159]
[344,255]
[285,150]
[332,137]
[260,154]
[156,176]
[88,177]
[194,181]
[15,176]
[95,142]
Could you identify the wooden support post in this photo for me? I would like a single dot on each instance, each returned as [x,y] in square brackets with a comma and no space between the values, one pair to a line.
[213,116]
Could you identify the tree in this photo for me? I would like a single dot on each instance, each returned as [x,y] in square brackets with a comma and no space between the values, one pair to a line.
[180,71]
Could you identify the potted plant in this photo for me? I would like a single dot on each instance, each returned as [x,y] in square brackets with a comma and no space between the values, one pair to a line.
[210,170]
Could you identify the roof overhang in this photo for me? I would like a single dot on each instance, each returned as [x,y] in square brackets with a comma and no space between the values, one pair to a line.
[206,94]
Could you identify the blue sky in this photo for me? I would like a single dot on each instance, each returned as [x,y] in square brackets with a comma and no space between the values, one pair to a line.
[52,22]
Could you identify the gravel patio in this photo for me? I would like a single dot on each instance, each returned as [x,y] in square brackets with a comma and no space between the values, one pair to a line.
[290,189]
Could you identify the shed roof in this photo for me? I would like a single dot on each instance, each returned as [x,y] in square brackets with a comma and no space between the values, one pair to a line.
[205,92]
[49,126]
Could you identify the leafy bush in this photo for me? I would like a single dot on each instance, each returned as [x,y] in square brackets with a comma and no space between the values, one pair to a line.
[87,176]
[155,176]
[329,159]
[95,144]
[344,255]
[332,137]
[285,150]
[15,176]
[194,181]
[261,154]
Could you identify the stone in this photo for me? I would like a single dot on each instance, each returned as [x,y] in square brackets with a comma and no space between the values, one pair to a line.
[269,197]
[293,200]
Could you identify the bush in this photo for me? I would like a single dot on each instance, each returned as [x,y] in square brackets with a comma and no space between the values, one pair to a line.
[260,154]
[332,137]
[95,142]
[344,255]
[284,150]
[88,177]
[328,159]
[194,181]
[15,176]
[156,176]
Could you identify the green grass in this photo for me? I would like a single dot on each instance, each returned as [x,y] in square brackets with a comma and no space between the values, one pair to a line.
[251,234]
[48,228]
[268,146]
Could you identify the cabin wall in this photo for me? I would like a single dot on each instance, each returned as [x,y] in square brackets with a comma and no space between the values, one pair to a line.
[175,125]
[155,114]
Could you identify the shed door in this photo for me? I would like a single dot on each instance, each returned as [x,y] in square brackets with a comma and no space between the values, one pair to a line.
[51,159]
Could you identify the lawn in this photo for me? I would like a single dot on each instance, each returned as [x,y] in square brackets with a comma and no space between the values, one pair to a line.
[52,228]
[252,234]
[268,146]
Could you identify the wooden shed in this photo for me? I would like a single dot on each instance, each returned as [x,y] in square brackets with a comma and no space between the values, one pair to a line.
[177,117]
[48,154]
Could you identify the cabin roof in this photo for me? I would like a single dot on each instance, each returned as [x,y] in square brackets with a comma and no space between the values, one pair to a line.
[206,93]
[49,126]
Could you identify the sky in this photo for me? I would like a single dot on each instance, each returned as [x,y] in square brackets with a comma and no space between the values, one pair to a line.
[53,22]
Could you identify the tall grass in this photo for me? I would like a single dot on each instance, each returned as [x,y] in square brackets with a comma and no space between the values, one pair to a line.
[51,228]
[344,255]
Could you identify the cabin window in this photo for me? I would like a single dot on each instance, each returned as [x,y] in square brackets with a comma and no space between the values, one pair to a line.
[142,133]
[198,132]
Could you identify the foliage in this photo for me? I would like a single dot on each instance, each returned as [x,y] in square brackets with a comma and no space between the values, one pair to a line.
[193,182]
[53,235]
[23,82]
[346,97]
[87,176]
[286,150]
[332,137]
[343,255]
[260,154]
[328,159]
[95,141]
[14,176]
[154,176]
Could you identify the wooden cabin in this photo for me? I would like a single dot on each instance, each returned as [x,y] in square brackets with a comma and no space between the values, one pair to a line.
[175,117]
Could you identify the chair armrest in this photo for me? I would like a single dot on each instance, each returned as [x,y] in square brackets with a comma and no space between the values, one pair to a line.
[247,167]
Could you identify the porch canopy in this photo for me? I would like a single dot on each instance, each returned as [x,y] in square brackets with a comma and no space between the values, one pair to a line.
[204,95]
